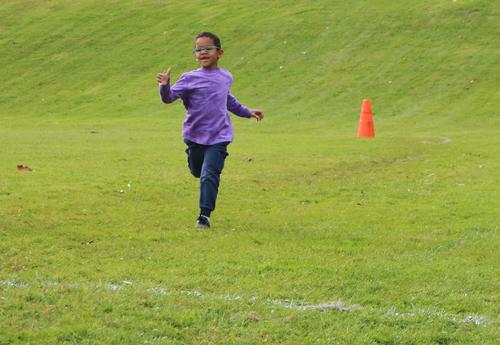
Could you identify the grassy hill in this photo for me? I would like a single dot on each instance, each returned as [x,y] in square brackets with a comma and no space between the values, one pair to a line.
[319,237]
[426,58]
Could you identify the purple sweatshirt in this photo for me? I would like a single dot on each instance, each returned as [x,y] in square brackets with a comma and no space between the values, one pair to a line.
[207,98]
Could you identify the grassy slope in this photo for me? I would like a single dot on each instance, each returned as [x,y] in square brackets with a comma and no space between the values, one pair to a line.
[405,222]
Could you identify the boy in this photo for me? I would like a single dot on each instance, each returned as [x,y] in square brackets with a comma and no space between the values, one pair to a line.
[207,128]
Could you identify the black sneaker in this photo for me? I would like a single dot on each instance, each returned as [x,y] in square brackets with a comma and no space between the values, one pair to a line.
[203,222]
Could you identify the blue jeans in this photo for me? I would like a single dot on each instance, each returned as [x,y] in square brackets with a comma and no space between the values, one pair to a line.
[207,162]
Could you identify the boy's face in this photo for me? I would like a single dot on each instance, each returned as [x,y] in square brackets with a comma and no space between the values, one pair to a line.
[209,57]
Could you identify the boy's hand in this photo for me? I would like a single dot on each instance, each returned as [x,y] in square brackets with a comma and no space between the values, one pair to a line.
[258,114]
[164,77]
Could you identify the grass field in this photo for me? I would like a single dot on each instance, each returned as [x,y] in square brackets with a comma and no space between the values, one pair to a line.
[318,238]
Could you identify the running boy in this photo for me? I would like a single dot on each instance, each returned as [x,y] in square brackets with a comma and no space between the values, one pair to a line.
[207,128]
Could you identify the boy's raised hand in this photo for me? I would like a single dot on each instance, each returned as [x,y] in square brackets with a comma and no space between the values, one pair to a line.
[257,114]
[164,77]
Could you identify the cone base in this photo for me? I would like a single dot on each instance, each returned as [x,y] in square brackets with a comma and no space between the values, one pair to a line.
[366,129]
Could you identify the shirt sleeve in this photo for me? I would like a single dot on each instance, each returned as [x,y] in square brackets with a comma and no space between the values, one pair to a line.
[236,107]
[169,94]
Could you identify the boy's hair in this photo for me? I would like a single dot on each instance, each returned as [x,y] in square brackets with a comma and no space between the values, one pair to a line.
[211,35]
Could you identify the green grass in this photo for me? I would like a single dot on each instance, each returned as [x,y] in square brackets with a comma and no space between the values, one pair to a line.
[97,244]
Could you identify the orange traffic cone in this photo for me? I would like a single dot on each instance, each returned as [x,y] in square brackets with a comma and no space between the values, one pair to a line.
[366,128]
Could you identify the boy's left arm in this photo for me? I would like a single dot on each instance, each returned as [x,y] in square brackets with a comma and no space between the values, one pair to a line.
[239,109]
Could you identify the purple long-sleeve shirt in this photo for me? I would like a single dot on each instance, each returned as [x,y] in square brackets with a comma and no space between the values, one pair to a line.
[207,98]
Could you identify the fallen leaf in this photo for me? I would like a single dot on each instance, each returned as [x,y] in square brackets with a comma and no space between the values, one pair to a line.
[23,168]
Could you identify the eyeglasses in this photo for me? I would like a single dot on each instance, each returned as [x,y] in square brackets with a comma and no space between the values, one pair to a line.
[205,49]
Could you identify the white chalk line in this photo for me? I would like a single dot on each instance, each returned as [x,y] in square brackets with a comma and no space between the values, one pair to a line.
[441,140]
[338,305]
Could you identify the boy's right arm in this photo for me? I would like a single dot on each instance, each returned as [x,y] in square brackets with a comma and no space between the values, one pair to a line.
[169,94]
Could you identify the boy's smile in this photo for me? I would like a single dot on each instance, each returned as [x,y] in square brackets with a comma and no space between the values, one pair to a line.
[207,54]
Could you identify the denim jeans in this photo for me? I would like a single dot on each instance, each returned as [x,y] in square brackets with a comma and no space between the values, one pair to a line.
[207,162]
